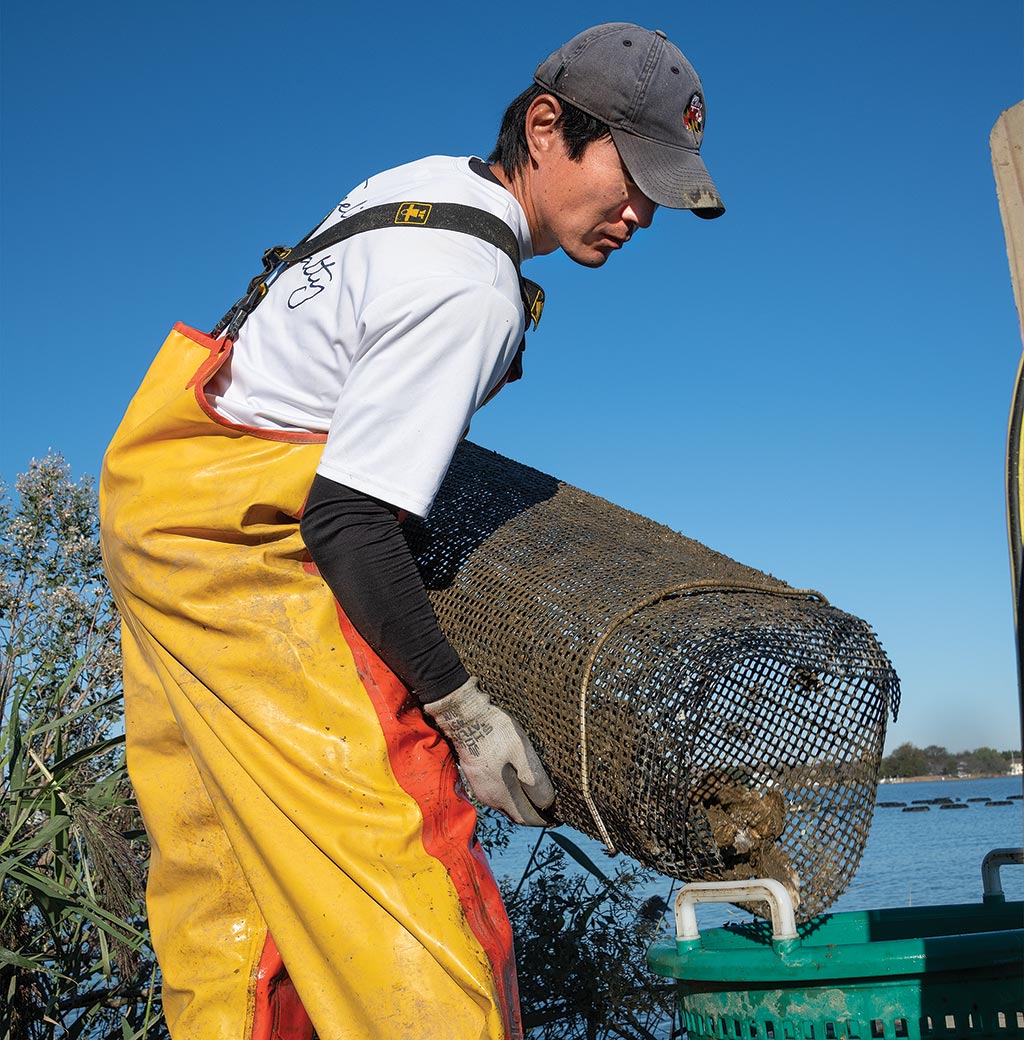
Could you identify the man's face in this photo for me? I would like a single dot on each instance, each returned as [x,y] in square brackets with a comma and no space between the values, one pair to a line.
[589,208]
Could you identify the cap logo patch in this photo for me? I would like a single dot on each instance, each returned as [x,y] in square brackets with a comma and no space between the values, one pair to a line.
[693,117]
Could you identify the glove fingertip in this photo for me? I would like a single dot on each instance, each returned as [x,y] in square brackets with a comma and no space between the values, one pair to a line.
[541,794]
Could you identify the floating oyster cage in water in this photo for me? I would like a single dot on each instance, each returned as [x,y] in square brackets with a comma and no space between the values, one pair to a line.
[696,714]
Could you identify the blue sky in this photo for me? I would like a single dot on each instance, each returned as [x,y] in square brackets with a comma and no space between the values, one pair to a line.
[817,384]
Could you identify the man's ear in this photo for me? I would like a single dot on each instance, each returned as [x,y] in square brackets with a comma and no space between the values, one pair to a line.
[542,131]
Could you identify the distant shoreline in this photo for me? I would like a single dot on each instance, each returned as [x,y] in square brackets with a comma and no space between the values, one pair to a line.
[923,779]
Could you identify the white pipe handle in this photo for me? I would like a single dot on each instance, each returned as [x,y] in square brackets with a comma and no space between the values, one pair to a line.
[759,890]
[990,883]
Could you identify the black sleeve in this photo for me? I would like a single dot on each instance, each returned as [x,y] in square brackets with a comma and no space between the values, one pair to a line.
[358,545]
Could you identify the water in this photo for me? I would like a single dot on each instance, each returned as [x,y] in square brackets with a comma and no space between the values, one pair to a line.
[928,858]
[910,859]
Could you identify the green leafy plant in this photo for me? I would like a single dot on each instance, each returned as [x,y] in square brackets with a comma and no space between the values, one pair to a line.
[74,955]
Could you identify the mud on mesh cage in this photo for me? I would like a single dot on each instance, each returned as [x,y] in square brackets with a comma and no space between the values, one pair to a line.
[696,714]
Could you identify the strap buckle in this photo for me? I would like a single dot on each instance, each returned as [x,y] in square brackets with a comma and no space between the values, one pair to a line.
[233,321]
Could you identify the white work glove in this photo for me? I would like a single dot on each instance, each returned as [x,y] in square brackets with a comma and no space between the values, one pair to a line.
[495,754]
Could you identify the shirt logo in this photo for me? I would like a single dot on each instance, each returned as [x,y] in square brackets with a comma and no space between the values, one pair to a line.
[413,213]
[693,117]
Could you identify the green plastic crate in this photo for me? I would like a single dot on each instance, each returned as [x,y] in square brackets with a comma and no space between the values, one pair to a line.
[924,973]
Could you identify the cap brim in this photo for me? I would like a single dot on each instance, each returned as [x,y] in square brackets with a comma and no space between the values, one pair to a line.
[672,177]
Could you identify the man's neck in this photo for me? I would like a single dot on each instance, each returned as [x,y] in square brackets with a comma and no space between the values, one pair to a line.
[519,189]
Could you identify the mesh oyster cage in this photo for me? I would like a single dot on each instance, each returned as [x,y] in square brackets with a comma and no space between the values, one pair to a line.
[699,715]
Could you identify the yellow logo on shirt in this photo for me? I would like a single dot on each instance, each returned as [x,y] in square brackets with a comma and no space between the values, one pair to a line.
[413,213]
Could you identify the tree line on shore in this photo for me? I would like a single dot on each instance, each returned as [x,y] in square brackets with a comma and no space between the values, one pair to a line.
[908,760]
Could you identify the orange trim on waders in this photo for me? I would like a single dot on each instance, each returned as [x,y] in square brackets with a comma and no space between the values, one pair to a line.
[278,1012]
[417,753]
[220,351]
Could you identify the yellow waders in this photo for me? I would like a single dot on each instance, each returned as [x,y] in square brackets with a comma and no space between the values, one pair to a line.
[289,783]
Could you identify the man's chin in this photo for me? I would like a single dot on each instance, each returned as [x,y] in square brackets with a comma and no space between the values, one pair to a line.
[587,257]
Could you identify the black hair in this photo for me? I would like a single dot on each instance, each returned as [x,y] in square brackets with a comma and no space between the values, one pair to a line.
[578,130]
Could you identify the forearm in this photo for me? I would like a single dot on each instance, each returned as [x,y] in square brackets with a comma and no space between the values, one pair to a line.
[358,546]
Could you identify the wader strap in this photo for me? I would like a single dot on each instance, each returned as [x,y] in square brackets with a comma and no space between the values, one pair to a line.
[446,216]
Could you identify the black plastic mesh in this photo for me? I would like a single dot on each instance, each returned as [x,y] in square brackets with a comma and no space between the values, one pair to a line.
[697,714]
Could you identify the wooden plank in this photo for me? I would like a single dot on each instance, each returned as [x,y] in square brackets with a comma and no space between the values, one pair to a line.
[1007,144]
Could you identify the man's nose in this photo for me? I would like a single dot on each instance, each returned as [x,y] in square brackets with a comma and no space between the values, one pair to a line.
[639,211]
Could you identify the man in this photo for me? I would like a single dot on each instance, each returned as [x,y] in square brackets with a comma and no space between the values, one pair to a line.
[291,704]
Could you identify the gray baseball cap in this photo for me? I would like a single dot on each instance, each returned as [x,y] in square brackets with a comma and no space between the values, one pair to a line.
[643,87]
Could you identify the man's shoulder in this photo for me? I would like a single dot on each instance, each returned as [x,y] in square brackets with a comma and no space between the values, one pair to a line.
[438,178]
[434,174]
[425,251]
